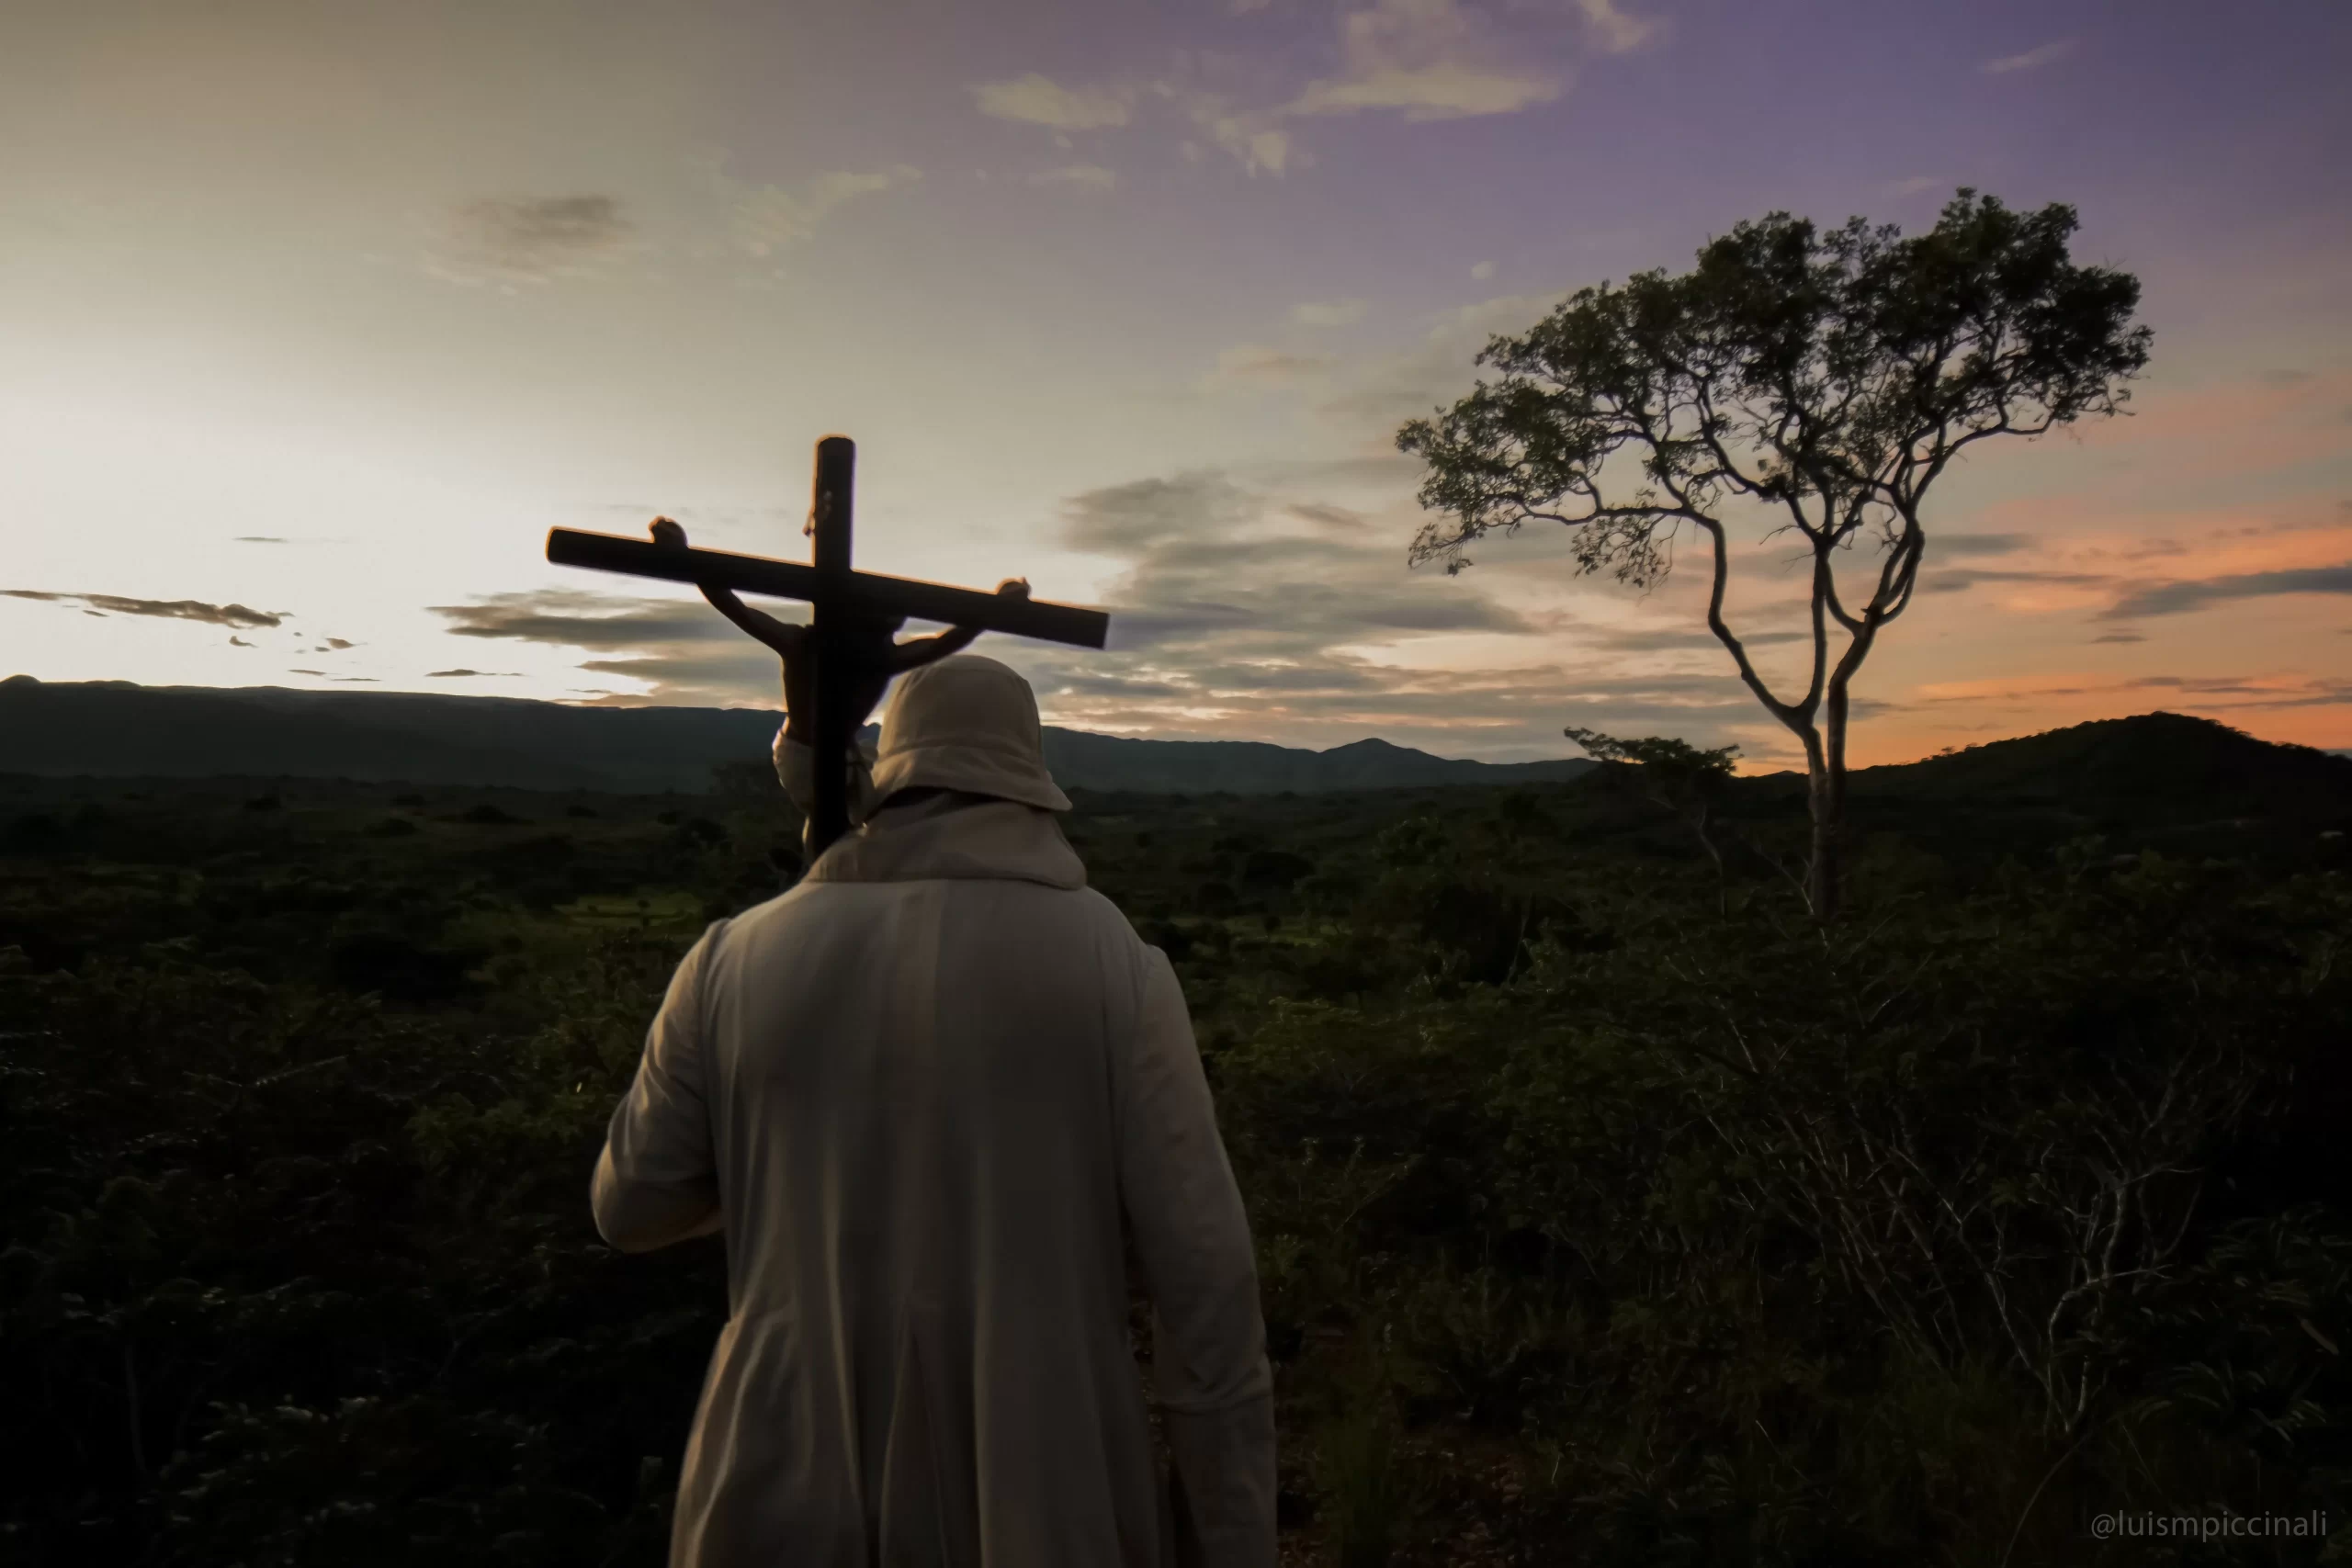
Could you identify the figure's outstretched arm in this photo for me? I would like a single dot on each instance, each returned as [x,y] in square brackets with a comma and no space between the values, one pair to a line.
[922,651]
[781,636]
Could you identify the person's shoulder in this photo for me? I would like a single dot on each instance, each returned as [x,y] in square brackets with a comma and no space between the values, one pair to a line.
[1099,904]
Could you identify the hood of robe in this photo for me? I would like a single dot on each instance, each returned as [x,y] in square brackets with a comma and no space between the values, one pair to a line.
[953,835]
[966,723]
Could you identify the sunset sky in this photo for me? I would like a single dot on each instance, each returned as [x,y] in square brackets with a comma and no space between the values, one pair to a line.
[315,317]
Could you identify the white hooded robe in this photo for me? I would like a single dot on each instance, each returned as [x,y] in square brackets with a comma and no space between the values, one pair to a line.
[919,1093]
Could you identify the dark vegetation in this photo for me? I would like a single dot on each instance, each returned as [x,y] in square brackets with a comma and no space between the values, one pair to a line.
[1608,1210]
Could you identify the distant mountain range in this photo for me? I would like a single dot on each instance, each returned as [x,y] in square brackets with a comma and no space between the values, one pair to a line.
[120,730]
[2167,763]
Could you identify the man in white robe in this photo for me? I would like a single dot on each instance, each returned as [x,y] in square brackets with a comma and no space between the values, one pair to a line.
[924,1096]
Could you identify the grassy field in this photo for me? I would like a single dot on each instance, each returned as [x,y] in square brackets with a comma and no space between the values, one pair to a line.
[1607,1212]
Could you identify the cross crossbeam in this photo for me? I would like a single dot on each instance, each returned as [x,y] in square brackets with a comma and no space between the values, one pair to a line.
[841,597]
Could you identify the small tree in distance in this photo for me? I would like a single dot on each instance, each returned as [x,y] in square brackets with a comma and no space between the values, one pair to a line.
[1676,775]
[1831,375]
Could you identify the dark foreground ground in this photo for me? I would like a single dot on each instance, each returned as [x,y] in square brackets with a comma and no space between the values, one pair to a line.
[1606,1212]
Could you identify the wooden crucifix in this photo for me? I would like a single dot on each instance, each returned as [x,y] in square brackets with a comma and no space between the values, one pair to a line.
[857,614]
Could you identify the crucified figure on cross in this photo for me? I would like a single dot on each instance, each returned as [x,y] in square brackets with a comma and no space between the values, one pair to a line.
[876,656]
[837,667]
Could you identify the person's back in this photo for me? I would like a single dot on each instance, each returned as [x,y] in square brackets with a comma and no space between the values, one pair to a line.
[924,1089]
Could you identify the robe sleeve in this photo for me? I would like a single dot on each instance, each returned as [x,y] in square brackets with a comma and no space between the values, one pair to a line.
[656,1181]
[796,769]
[1191,1234]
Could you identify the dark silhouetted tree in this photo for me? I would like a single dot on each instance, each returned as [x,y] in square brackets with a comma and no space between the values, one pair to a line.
[1675,774]
[1825,378]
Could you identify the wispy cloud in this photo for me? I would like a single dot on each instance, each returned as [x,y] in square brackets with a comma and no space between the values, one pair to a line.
[1329,312]
[2179,597]
[167,609]
[686,652]
[1036,99]
[2221,693]
[531,240]
[1091,178]
[1915,184]
[1255,367]
[1432,59]
[1425,60]
[2032,58]
[1254,140]
[1379,393]
[1613,32]
[1977,544]
[768,219]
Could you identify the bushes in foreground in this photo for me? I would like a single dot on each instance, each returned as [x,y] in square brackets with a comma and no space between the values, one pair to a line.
[1599,1218]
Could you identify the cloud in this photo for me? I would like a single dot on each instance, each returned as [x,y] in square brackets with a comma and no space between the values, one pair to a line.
[453,674]
[2122,636]
[1613,32]
[1482,271]
[1913,185]
[1662,639]
[2214,694]
[1977,544]
[2032,58]
[528,241]
[1323,514]
[1432,60]
[1207,572]
[1229,615]
[1238,609]
[769,218]
[239,642]
[168,609]
[685,649]
[1254,140]
[1255,367]
[562,616]
[1035,99]
[2179,597]
[1952,580]
[258,539]
[1091,178]
[1329,312]
[1391,388]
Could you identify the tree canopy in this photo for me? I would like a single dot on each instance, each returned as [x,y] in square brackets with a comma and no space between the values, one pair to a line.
[1835,374]
[1826,378]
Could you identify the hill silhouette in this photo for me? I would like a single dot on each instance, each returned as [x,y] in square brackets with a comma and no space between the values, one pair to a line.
[2164,762]
[2149,769]
[120,730]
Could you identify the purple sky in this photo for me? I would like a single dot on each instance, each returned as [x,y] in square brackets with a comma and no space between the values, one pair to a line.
[320,314]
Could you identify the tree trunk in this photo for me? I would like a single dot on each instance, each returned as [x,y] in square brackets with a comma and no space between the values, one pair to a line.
[1825,796]
[1825,801]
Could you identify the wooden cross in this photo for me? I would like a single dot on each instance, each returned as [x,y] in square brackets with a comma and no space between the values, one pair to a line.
[846,603]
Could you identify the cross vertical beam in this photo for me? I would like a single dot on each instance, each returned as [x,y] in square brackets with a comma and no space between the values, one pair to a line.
[830,523]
